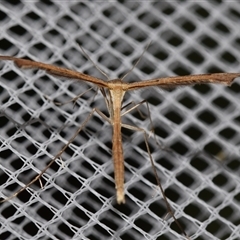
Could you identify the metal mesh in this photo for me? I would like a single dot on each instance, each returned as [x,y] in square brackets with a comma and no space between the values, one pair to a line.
[200,124]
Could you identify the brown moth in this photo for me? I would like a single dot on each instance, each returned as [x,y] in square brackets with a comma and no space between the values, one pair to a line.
[113,91]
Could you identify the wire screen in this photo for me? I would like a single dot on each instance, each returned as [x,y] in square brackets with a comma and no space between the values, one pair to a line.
[197,128]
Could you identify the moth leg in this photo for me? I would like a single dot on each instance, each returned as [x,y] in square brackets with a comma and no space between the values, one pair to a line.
[136,105]
[169,208]
[37,178]
[151,122]
[74,100]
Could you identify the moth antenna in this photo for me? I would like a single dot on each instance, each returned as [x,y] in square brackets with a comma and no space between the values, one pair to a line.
[137,61]
[95,65]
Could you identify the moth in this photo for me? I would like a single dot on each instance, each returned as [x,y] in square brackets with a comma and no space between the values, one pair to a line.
[113,92]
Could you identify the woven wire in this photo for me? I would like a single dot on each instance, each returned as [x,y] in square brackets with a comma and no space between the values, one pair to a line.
[200,124]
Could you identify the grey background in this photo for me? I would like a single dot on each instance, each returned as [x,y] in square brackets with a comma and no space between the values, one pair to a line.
[200,124]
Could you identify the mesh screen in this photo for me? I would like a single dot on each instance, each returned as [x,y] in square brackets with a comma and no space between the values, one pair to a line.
[200,124]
